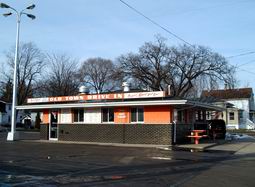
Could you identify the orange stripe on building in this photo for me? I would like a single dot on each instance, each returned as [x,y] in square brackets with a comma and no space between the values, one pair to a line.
[157,114]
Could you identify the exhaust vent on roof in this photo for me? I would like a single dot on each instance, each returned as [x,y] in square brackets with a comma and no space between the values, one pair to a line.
[83,90]
[125,86]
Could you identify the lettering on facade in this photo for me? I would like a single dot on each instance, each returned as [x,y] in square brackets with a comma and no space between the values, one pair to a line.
[122,115]
[98,97]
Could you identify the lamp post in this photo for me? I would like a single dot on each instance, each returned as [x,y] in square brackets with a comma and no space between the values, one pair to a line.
[13,135]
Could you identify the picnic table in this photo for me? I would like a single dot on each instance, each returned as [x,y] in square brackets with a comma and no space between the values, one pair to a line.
[196,135]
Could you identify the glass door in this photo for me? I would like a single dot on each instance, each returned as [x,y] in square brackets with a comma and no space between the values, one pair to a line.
[53,128]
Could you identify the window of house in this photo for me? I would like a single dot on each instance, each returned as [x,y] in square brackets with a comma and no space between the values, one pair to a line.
[137,115]
[251,116]
[240,114]
[107,115]
[78,115]
[231,116]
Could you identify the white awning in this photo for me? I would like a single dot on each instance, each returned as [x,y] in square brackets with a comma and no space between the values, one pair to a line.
[119,104]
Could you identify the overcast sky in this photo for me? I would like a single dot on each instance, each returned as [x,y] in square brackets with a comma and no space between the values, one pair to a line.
[108,28]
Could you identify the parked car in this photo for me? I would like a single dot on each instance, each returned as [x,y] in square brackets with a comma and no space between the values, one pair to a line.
[217,128]
[214,128]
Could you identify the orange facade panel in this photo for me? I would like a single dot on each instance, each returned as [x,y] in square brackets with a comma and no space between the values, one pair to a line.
[122,115]
[45,116]
[157,114]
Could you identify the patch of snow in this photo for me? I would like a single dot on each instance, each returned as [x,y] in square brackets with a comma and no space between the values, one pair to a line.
[233,136]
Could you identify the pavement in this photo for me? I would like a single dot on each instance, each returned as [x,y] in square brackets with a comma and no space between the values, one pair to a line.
[244,145]
[42,163]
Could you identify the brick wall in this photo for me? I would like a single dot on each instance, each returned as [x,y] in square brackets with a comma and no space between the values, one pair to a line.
[44,131]
[117,133]
[108,133]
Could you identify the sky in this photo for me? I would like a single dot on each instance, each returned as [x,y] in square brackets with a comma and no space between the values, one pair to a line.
[107,28]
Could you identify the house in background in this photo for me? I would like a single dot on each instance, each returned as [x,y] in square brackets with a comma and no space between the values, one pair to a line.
[6,113]
[239,104]
[29,119]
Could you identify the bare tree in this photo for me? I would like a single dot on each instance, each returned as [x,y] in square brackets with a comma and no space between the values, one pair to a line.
[60,76]
[203,82]
[6,90]
[186,64]
[100,74]
[148,67]
[156,65]
[230,79]
[29,66]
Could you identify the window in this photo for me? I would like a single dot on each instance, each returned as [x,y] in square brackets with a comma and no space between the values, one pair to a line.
[240,114]
[201,115]
[251,116]
[92,115]
[231,116]
[107,115]
[78,115]
[137,115]
[208,115]
[179,116]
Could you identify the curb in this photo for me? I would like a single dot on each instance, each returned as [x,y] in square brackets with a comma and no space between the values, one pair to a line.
[165,147]
[200,147]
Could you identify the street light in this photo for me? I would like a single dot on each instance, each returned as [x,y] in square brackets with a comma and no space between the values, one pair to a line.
[13,135]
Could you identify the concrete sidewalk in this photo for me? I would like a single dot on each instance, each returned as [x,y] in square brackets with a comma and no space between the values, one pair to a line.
[240,146]
[202,146]
[165,147]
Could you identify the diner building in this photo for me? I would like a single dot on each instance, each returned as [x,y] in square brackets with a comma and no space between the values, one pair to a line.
[139,117]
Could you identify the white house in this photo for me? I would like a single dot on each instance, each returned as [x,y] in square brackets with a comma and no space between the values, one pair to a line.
[239,103]
[6,112]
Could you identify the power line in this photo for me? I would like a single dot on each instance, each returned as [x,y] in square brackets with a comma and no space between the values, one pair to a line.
[155,23]
[238,67]
[247,71]
[242,54]
[245,63]
[179,38]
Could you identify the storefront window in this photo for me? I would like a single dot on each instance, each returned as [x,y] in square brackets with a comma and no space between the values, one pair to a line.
[180,116]
[133,115]
[199,115]
[78,115]
[137,115]
[107,115]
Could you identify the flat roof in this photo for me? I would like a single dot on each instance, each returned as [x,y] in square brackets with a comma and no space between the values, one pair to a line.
[172,102]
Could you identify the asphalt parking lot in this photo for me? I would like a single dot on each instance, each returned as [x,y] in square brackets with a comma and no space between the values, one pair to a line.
[31,163]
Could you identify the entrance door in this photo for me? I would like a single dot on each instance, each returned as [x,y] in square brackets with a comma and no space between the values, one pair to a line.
[53,128]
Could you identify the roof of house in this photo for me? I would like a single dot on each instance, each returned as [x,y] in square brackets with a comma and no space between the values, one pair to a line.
[240,93]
